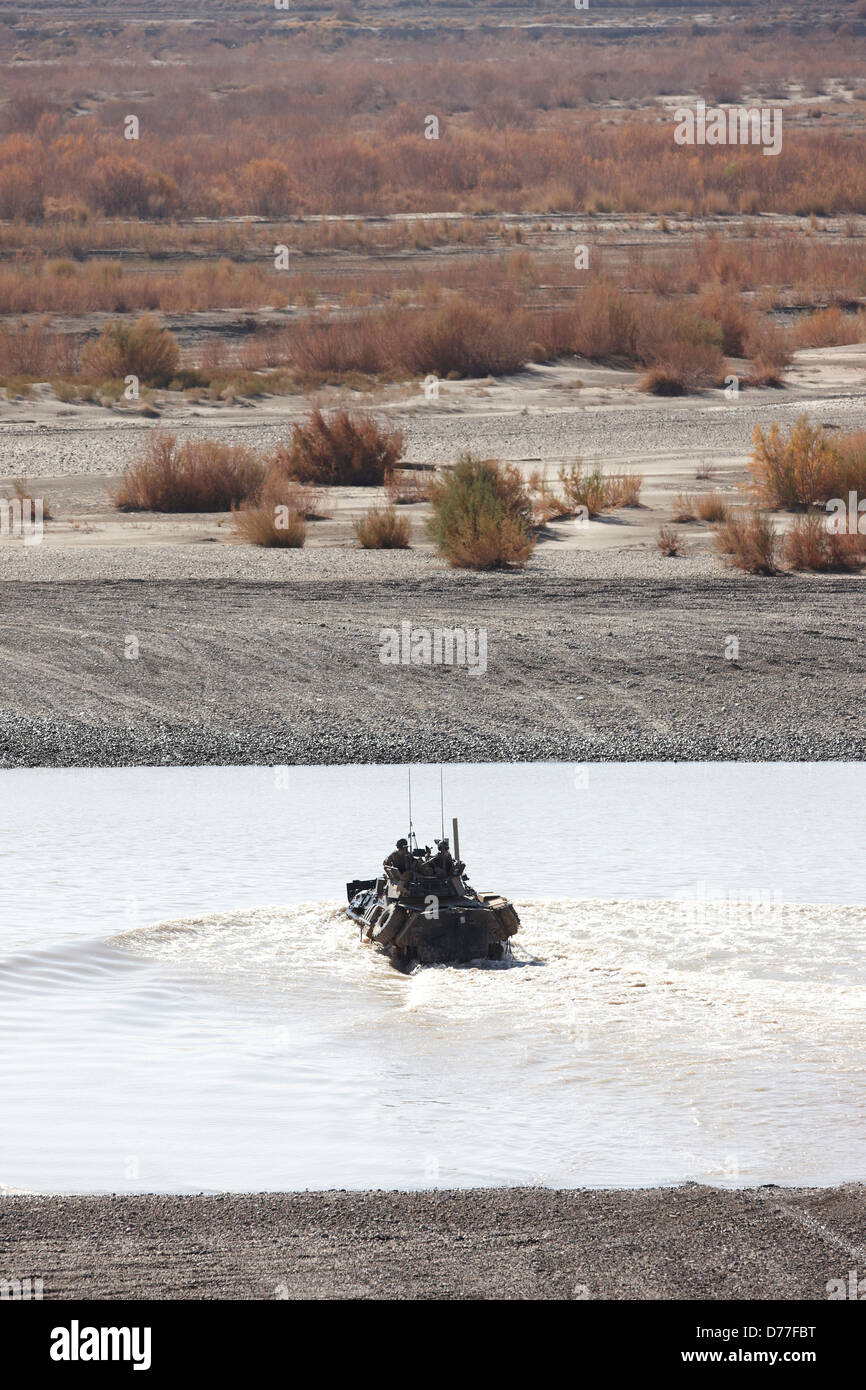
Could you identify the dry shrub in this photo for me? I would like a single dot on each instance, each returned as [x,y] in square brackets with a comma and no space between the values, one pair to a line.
[280,491]
[722,304]
[467,339]
[662,381]
[668,541]
[142,349]
[32,352]
[748,540]
[460,338]
[684,507]
[482,515]
[334,347]
[547,505]
[271,526]
[829,328]
[711,507]
[605,328]
[195,476]
[809,545]
[798,469]
[851,476]
[122,187]
[681,348]
[404,486]
[769,347]
[599,492]
[380,528]
[622,490]
[343,449]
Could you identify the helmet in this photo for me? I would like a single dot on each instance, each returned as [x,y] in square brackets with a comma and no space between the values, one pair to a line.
[442,844]
[402,844]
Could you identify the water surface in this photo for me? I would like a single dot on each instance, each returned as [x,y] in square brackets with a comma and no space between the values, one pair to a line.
[184,1007]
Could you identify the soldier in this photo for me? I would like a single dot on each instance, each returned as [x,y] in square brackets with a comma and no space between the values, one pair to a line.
[400,860]
[442,861]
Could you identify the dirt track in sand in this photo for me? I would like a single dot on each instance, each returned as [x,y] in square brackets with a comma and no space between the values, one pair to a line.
[526,1243]
[577,669]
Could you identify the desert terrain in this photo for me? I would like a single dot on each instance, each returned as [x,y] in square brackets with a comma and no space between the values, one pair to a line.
[407,259]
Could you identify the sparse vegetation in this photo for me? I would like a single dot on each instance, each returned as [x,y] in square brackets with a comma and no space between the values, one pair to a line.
[380,528]
[668,541]
[547,505]
[351,450]
[193,476]
[311,503]
[142,349]
[598,491]
[276,525]
[748,541]
[406,486]
[810,545]
[482,515]
[22,491]
[806,466]
[684,509]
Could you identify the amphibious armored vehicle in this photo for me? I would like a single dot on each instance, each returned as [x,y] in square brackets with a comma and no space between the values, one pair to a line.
[423,910]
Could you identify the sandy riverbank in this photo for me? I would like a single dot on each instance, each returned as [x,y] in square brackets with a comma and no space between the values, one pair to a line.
[688,1242]
[540,419]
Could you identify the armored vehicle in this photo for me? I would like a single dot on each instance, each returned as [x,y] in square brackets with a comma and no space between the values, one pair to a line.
[423,910]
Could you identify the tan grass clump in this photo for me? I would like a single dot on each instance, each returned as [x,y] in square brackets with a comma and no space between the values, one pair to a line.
[271,526]
[380,528]
[195,476]
[810,545]
[748,541]
[668,541]
[803,467]
[142,349]
[598,492]
[341,449]
[711,507]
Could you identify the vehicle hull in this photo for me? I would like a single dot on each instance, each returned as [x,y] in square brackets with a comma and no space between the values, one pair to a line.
[430,929]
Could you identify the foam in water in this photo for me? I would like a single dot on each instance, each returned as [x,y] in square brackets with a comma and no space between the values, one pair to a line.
[625,1043]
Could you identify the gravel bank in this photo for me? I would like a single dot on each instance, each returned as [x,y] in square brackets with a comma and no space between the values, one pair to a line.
[680,1243]
[342,564]
[577,669]
[695,429]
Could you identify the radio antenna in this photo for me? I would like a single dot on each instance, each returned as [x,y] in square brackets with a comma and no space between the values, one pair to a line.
[442,802]
[411,831]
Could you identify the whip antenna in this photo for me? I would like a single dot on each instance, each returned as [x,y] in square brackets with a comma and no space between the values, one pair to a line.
[441,802]
[411,831]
